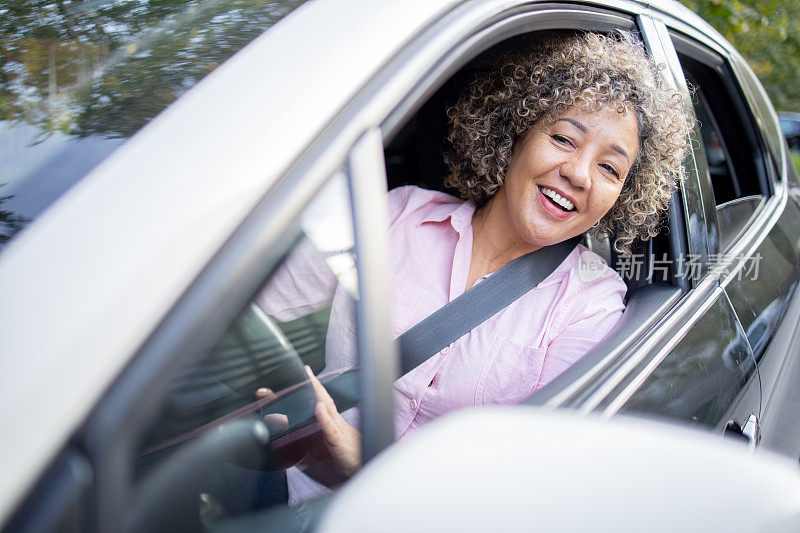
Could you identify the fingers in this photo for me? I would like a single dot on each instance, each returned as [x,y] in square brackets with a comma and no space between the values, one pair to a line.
[341,439]
[276,421]
[330,430]
[322,394]
[265,393]
[327,414]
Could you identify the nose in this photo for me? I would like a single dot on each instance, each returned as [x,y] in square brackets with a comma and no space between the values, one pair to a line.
[577,170]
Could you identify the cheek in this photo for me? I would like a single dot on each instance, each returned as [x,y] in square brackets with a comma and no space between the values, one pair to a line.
[607,200]
[520,191]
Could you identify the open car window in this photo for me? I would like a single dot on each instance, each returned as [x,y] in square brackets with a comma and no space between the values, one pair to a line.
[655,272]
[304,314]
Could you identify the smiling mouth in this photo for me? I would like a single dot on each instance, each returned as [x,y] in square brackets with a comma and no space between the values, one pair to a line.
[557,200]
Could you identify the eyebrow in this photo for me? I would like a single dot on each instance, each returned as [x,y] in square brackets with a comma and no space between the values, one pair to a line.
[621,151]
[583,128]
[574,122]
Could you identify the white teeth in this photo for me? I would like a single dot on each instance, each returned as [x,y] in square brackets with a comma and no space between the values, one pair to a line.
[557,198]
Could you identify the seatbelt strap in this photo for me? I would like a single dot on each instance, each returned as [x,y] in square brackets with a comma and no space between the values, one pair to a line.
[475,306]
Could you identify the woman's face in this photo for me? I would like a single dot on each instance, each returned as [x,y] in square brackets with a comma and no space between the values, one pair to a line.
[564,177]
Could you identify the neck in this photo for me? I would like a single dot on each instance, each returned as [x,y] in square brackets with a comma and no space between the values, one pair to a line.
[496,241]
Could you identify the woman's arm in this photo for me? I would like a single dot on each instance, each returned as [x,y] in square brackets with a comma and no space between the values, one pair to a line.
[303,284]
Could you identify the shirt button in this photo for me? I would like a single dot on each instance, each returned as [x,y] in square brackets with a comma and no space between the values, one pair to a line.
[414,404]
[445,350]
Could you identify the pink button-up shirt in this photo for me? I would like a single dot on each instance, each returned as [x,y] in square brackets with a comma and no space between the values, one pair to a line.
[501,361]
[513,353]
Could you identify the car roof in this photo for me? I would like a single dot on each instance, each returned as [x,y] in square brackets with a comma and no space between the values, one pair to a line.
[86,283]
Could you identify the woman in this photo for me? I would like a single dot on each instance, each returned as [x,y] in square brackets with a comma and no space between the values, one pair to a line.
[576,134]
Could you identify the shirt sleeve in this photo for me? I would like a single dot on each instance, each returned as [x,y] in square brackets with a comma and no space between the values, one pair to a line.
[591,313]
[303,284]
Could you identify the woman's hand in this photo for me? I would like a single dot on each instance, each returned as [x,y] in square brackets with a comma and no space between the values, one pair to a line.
[342,441]
[274,421]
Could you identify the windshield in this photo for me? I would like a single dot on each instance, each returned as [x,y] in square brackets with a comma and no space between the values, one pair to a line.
[78,78]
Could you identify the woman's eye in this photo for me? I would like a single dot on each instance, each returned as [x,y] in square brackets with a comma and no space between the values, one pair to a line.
[610,169]
[561,139]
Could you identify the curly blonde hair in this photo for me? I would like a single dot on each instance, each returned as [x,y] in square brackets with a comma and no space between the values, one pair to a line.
[542,83]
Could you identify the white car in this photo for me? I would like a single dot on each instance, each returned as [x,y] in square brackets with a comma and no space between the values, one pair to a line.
[161,178]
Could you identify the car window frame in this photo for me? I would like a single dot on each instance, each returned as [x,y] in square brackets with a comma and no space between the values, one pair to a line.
[581,377]
[108,440]
[540,17]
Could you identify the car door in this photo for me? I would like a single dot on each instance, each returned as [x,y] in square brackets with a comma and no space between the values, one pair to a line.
[751,181]
[152,440]
[745,183]
[385,106]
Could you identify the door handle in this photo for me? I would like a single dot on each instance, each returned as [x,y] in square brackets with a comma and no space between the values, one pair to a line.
[751,432]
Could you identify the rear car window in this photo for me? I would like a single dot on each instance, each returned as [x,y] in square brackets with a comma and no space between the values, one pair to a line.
[79,78]
[734,154]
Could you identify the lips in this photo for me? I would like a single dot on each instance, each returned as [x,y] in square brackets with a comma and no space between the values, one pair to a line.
[551,208]
[561,201]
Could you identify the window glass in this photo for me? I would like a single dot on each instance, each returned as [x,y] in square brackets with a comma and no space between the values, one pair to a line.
[790,127]
[304,314]
[733,153]
[726,187]
[78,78]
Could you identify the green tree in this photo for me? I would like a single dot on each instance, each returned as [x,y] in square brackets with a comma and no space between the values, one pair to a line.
[767,34]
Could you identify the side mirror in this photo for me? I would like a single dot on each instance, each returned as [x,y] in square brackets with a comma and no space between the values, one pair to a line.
[521,468]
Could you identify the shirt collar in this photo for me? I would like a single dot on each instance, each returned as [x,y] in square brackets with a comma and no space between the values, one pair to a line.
[459,215]
[460,218]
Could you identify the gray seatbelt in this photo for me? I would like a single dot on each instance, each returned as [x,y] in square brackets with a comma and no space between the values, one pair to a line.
[482,301]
